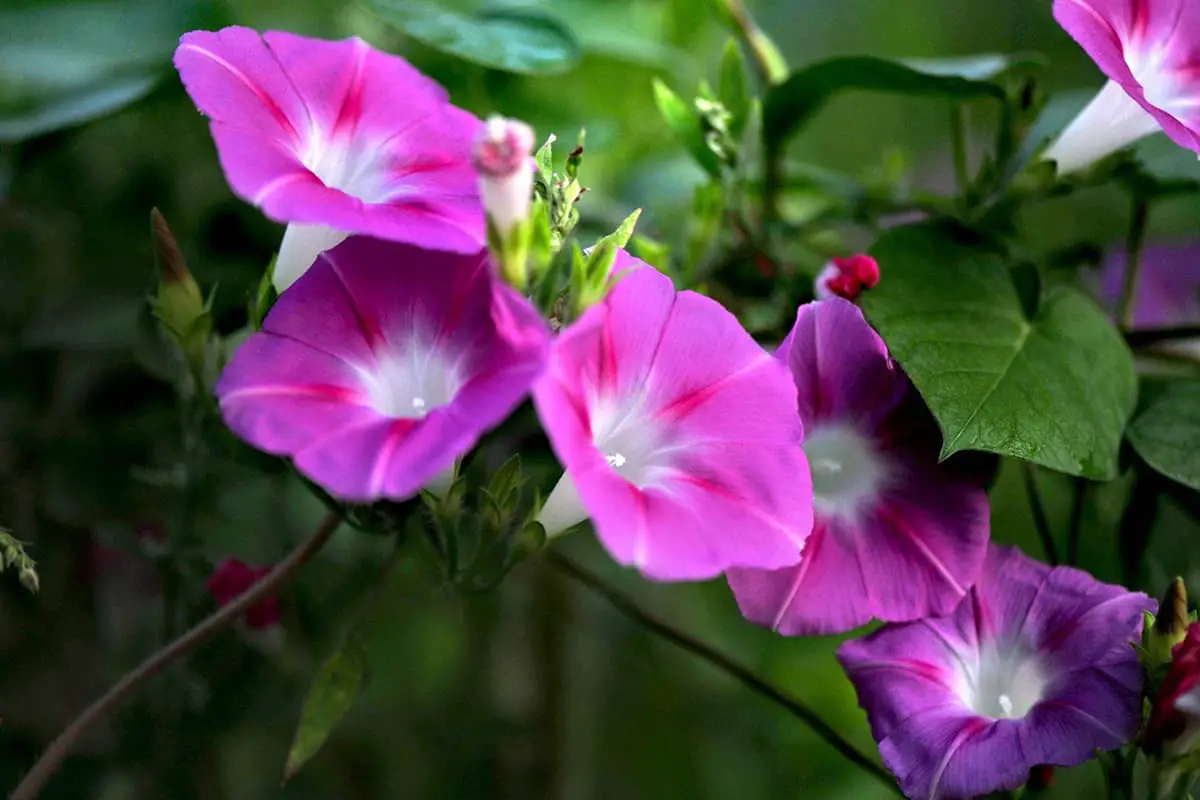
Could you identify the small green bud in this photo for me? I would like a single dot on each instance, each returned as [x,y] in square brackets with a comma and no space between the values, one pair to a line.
[1171,624]
[29,579]
[179,303]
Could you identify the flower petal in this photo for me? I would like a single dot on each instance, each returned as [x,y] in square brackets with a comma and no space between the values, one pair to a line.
[841,366]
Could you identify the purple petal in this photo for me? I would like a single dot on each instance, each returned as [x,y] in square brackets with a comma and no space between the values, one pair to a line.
[841,366]
[1168,291]
[903,540]
[1035,666]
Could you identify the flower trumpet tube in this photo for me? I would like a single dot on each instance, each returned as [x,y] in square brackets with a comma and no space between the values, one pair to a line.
[1150,52]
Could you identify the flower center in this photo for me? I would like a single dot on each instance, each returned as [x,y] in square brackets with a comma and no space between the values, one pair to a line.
[411,384]
[350,167]
[1008,685]
[846,471]
[631,442]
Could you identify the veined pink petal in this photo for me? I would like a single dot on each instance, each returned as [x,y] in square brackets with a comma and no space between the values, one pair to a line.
[336,135]
[679,435]
[382,365]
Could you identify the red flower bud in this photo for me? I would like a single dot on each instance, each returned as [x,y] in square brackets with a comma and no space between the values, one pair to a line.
[232,578]
[1175,716]
[847,277]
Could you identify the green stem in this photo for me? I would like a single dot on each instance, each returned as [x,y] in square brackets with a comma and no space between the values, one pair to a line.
[958,141]
[1133,259]
[1078,496]
[44,769]
[1039,513]
[727,665]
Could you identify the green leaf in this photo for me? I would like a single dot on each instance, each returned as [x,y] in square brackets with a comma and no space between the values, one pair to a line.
[334,690]
[1167,434]
[1056,389]
[65,63]
[793,103]
[684,121]
[506,38]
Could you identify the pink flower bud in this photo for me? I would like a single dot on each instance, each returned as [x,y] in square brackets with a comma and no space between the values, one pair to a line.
[502,157]
[231,579]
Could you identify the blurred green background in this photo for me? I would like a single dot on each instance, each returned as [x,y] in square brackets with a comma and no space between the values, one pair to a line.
[537,690]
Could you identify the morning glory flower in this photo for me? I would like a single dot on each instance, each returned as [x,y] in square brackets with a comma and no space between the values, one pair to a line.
[381,365]
[335,138]
[895,536]
[1168,285]
[1035,666]
[1150,51]
[679,435]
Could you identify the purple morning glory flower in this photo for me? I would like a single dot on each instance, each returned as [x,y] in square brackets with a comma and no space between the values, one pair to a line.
[1150,51]
[381,365]
[1168,290]
[1035,666]
[895,536]
[678,432]
[335,138]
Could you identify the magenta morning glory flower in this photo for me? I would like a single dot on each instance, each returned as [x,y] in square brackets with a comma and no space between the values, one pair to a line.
[1035,666]
[895,536]
[335,138]
[381,365]
[678,432]
[1150,51]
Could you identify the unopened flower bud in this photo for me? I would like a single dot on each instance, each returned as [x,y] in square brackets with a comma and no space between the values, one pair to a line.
[179,299]
[847,277]
[1175,715]
[1171,625]
[503,159]
[29,578]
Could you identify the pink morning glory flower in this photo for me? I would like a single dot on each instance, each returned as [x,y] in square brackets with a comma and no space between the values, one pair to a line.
[678,432]
[895,536]
[1035,666]
[381,365]
[335,138]
[1150,51]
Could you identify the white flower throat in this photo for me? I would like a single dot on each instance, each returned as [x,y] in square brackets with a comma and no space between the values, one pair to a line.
[1006,683]
[846,470]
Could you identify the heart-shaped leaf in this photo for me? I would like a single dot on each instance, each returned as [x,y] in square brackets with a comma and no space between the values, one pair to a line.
[1167,434]
[1056,388]
[792,103]
[514,39]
